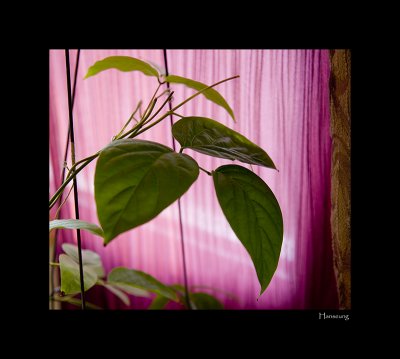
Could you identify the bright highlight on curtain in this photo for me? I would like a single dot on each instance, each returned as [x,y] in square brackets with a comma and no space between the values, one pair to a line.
[281,103]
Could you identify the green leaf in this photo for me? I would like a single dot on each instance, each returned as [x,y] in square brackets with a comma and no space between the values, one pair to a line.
[159,302]
[75,301]
[90,259]
[210,137]
[122,63]
[116,291]
[135,180]
[254,215]
[204,301]
[211,94]
[138,279]
[70,279]
[76,224]
[132,290]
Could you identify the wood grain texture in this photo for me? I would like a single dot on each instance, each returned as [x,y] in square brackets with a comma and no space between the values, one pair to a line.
[340,107]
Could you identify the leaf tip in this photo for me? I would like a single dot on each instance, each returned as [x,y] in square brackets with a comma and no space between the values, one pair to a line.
[87,75]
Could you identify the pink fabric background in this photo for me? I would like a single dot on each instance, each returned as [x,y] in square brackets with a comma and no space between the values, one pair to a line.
[281,102]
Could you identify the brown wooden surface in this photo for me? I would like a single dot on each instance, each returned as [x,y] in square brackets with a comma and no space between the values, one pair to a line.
[340,90]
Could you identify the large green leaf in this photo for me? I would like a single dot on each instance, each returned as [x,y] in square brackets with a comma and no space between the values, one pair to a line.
[122,63]
[210,137]
[138,279]
[135,180]
[204,301]
[90,259]
[211,94]
[75,224]
[254,215]
[70,278]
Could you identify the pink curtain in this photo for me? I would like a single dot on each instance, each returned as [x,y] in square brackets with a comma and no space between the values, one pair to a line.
[281,102]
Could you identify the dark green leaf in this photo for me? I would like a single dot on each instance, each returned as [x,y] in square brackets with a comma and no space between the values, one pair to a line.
[70,279]
[138,279]
[210,94]
[76,224]
[159,302]
[210,137]
[122,63]
[90,259]
[135,180]
[254,215]
[204,301]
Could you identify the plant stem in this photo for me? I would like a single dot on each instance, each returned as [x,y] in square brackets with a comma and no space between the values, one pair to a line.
[152,99]
[65,200]
[140,124]
[203,90]
[69,179]
[75,185]
[72,170]
[183,102]
[150,119]
[91,158]
[209,173]
[129,120]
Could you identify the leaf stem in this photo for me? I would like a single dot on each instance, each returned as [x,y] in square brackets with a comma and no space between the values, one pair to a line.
[129,120]
[74,171]
[209,173]
[203,90]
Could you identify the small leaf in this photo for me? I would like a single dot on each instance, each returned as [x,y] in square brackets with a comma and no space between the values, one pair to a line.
[138,279]
[135,180]
[122,63]
[254,214]
[75,301]
[132,290]
[119,293]
[70,278]
[204,301]
[211,94]
[76,224]
[90,259]
[159,302]
[212,138]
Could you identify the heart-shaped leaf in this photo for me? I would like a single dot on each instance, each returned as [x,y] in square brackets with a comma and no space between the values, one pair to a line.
[210,137]
[70,278]
[121,63]
[135,180]
[211,94]
[76,224]
[90,259]
[204,301]
[254,214]
[138,279]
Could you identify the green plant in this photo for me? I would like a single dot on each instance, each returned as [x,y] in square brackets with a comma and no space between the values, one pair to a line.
[135,179]
[121,281]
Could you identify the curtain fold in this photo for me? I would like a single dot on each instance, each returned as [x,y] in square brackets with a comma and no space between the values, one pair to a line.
[281,102]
